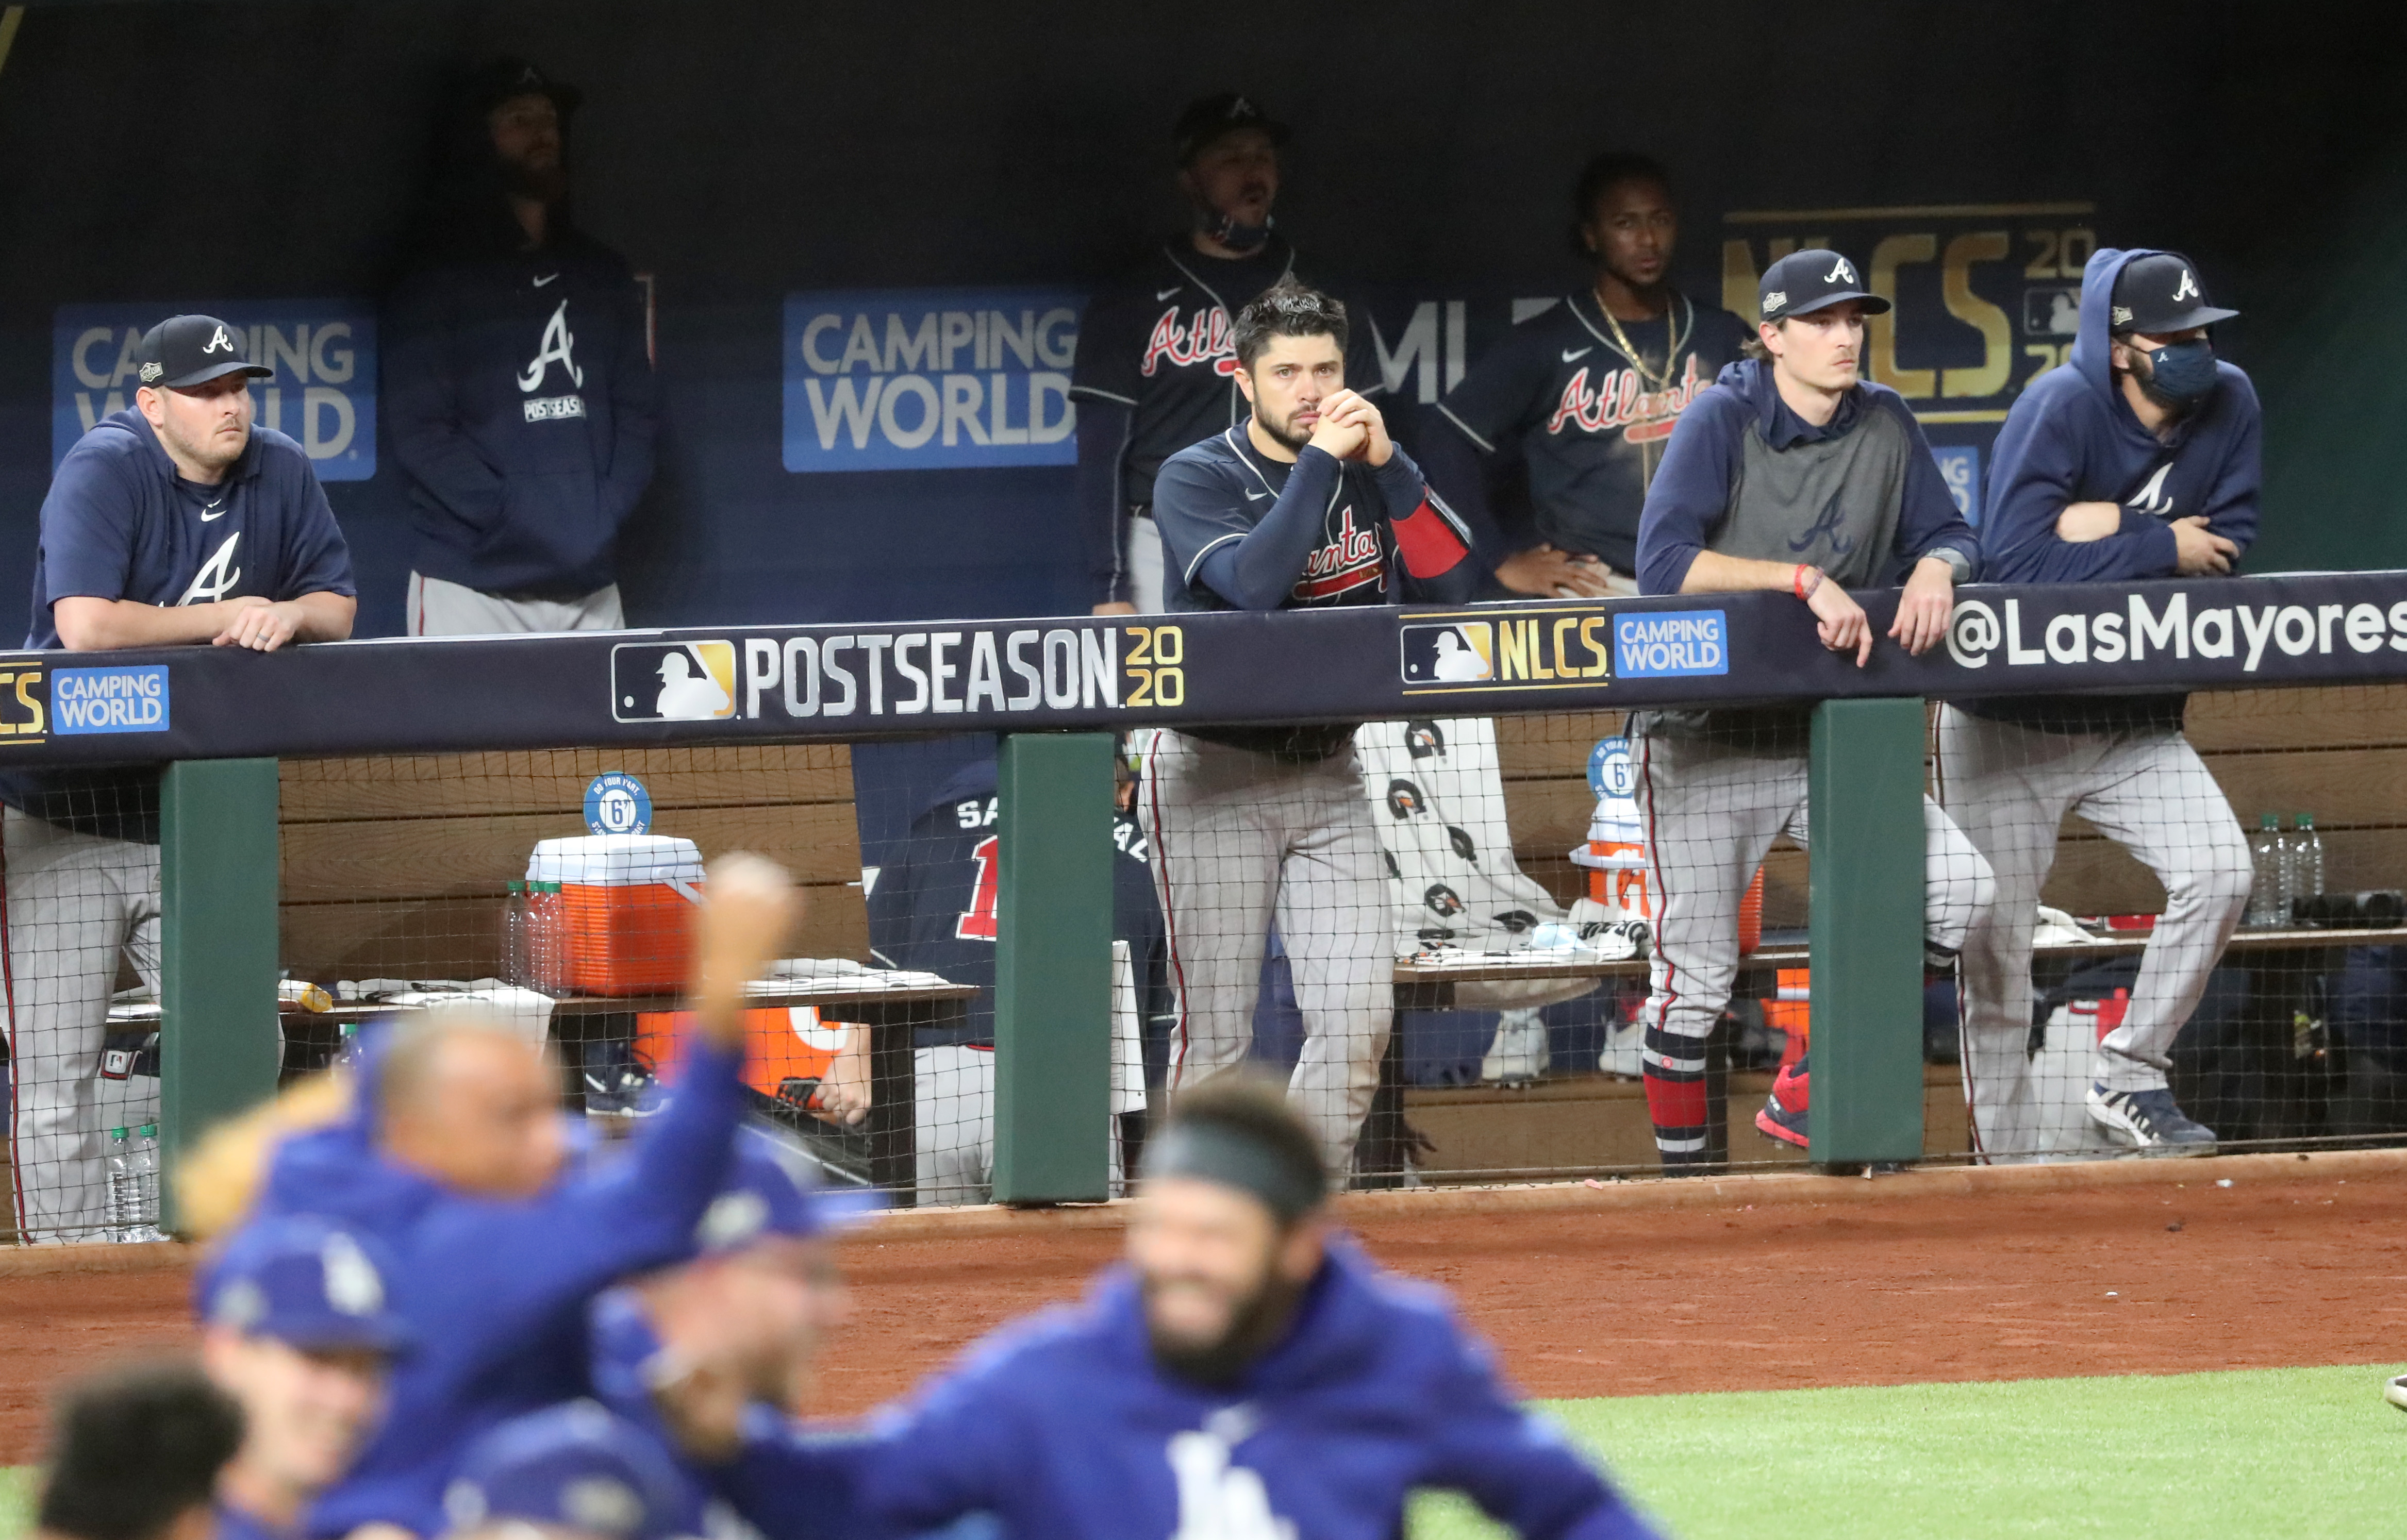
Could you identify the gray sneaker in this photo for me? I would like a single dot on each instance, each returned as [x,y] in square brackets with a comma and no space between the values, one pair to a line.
[2148,1119]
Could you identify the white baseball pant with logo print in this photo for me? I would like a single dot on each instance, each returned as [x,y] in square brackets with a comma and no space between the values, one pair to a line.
[74,902]
[2146,788]
[1240,837]
[1712,811]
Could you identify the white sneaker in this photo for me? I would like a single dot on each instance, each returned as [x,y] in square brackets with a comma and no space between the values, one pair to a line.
[1520,1053]
[2394,1391]
[1624,1053]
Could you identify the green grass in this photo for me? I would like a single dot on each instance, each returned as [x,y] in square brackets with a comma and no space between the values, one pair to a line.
[17,1492]
[2274,1452]
[2295,1453]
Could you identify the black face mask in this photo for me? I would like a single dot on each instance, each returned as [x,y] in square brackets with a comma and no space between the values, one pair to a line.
[1224,228]
[2181,375]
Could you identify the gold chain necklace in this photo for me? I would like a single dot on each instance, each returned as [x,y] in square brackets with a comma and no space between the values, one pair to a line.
[1671,329]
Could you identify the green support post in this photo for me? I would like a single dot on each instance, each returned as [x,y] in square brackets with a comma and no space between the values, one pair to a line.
[1053,970]
[1865,855]
[218,1041]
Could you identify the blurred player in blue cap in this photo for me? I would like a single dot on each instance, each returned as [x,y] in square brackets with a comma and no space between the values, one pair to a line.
[457,1157]
[1247,1376]
[296,1326]
[572,1472]
[683,1354]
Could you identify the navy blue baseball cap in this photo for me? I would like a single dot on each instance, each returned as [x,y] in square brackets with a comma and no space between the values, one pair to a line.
[1207,118]
[575,1467]
[183,351]
[2159,292]
[302,1282]
[1803,282]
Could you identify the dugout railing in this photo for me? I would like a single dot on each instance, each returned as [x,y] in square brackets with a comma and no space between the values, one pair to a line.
[1056,691]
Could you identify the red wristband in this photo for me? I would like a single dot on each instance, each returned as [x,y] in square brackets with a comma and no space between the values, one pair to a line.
[1798,584]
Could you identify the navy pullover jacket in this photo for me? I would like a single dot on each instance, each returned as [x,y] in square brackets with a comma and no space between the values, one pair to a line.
[2073,438]
[519,393]
[495,1291]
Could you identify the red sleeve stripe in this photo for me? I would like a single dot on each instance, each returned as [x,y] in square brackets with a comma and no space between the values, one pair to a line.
[1427,542]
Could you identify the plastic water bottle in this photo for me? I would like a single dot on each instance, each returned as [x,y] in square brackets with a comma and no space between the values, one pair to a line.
[146,1181]
[2305,864]
[347,1047]
[547,938]
[134,1184]
[516,967]
[2267,851]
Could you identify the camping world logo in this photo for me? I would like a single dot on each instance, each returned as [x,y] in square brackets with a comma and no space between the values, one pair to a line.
[673,681]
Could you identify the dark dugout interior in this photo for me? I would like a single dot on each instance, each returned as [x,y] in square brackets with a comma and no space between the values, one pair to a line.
[164,155]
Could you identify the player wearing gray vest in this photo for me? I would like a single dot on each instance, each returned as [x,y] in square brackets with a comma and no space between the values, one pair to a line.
[1791,473]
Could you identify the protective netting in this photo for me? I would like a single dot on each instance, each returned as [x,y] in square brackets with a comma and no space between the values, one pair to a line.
[1478,949]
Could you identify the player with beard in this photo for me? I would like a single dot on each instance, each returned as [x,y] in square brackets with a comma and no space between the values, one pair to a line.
[518,379]
[1157,351]
[1585,394]
[1305,504]
[1247,1374]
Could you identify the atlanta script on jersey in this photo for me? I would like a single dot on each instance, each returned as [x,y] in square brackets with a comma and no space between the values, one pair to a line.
[1588,419]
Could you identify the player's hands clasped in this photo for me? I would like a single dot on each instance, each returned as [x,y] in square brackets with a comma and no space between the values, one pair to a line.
[2199,552]
[1925,608]
[1350,428]
[259,624]
[1549,574]
[1841,622]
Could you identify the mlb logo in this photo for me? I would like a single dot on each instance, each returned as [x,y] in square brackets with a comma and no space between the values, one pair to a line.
[673,681]
[1463,653]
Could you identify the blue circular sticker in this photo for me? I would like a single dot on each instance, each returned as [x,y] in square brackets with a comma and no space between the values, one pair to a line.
[617,804]
[1609,771]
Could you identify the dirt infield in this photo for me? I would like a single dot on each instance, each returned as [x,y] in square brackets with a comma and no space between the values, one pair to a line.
[1914,1282]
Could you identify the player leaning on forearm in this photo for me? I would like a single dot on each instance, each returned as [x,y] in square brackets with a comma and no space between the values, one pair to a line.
[176,522]
[1305,504]
[2136,460]
[1795,476]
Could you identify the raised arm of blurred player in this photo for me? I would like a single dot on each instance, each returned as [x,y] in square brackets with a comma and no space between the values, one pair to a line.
[1516,1464]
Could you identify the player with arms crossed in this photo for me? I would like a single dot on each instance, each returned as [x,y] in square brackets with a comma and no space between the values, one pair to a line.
[1794,475]
[1305,504]
[2136,460]
[178,522]
[1245,1376]
[1157,359]
[1587,393]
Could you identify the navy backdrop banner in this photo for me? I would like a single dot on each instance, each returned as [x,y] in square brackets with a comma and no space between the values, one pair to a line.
[866,682]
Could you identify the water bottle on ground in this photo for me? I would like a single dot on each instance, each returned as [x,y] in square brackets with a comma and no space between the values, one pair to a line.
[134,1184]
[2306,864]
[122,1198]
[2265,909]
[146,1182]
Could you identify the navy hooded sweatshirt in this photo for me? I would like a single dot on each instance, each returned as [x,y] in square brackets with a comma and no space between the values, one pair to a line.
[1065,1426]
[495,1291]
[519,389]
[2071,437]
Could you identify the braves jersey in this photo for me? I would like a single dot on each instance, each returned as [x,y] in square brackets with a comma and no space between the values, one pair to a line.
[934,908]
[1588,422]
[120,524]
[1160,342]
